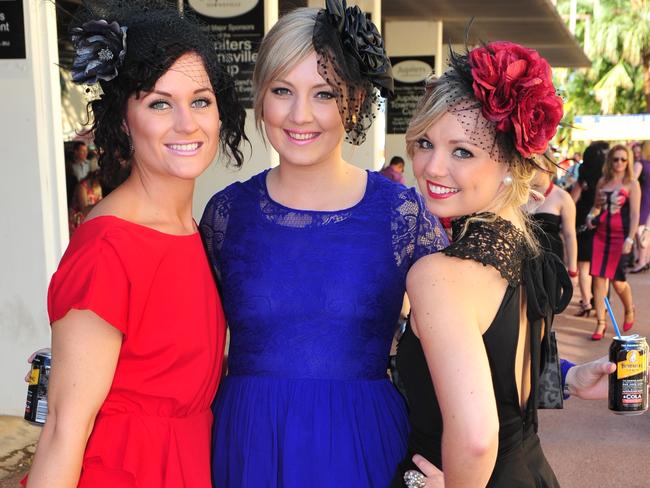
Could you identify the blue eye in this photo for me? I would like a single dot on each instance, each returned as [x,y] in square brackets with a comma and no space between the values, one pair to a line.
[325,95]
[201,103]
[424,144]
[280,91]
[159,105]
[461,153]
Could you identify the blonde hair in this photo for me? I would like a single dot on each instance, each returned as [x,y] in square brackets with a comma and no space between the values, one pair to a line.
[608,167]
[285,46]
[435,103]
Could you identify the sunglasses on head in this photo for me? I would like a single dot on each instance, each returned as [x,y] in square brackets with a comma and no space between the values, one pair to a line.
[616,160]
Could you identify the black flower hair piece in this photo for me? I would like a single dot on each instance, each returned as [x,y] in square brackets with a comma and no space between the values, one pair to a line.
[100,48]
[361,39]
[352,59]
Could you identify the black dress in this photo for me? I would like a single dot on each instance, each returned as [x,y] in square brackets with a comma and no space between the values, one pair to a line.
[547,232]
[544,280]
[584,236]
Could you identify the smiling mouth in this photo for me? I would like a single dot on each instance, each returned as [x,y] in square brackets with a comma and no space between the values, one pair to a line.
[302,137]
[440,191]
[185,148]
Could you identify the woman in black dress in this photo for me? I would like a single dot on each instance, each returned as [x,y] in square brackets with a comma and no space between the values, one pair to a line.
[473,364]
[554,217]
[584,194]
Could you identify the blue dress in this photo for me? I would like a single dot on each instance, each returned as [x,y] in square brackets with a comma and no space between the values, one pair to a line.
[312,300]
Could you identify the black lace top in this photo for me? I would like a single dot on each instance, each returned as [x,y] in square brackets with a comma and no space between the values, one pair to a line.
[547,290]
[491,241]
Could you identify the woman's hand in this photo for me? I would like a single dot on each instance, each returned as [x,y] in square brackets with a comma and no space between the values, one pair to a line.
[30,360]
[590,381]
[627,245]
[431,477]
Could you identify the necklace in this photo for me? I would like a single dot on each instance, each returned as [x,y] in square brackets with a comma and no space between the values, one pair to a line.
[549,189]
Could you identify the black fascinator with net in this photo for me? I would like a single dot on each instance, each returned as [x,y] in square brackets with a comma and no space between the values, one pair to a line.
[352,59]
[125,46]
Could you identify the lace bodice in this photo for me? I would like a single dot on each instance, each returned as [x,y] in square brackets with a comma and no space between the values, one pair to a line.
[315,294]
[491,241]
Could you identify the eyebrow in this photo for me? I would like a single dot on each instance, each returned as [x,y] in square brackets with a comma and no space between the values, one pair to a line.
[165,94]
[321,85]
[463,141]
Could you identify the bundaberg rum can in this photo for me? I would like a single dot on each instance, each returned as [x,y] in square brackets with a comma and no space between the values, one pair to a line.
[628,385]
[39,377]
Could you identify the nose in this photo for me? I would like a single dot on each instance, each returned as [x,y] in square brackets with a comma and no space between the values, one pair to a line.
[435,164]
[184,120]
[301,110]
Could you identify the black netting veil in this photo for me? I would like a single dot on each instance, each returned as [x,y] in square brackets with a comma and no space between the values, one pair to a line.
[352,59]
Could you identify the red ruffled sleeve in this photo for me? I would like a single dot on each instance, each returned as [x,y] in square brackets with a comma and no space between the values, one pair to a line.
[91,276]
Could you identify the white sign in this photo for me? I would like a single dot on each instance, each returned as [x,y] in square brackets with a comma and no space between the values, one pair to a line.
[223,9]
[411,71]
[633,127]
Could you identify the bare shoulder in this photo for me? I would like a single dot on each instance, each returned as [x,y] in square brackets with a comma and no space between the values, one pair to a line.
[117,204]
[565,197]
[451,276]
[452,288]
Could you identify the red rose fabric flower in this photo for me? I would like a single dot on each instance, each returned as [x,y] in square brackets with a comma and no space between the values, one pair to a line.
[515,87]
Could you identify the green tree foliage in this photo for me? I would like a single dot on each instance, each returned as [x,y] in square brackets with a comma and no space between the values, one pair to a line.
[616,37]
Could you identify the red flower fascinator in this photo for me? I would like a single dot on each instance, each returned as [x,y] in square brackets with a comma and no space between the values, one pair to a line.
[515,88]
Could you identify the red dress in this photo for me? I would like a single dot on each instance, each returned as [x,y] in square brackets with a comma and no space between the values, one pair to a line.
[153,429]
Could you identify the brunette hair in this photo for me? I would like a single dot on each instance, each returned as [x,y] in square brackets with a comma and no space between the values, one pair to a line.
[157,36]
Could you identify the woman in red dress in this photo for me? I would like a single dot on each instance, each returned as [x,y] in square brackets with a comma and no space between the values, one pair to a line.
[616,217]
[138,331]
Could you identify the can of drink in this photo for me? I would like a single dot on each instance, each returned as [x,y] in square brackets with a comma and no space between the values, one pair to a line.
[628,385]
[36,404]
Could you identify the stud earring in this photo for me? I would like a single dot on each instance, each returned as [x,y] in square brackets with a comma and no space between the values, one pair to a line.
[507,180]
[354,119]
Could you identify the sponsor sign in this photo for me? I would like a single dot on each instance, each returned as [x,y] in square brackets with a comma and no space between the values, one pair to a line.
[12,30]
[237,27]
[409,73]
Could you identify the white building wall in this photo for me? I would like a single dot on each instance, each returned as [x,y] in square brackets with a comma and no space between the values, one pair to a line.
[33,232]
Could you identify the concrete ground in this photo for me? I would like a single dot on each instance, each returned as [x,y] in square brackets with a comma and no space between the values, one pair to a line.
[17,445]
[586,444]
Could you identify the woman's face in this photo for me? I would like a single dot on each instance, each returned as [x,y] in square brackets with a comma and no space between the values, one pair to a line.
[175,127]
[455,176]
[619,161]
[301,117]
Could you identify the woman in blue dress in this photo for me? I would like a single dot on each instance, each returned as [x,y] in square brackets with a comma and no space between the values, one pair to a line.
[311,259]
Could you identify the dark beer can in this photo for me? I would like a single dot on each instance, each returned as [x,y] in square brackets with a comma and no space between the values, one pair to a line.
[36,404]
[628,385]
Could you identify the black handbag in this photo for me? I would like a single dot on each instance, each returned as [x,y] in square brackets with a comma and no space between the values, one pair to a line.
[550,380]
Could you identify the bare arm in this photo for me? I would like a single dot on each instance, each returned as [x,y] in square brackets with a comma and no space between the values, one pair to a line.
[576,191]
[79,340]
[568,216]
[635,209]
[638,167]
[450,332]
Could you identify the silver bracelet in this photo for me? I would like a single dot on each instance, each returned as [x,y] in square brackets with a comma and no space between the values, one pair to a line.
[629,240]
